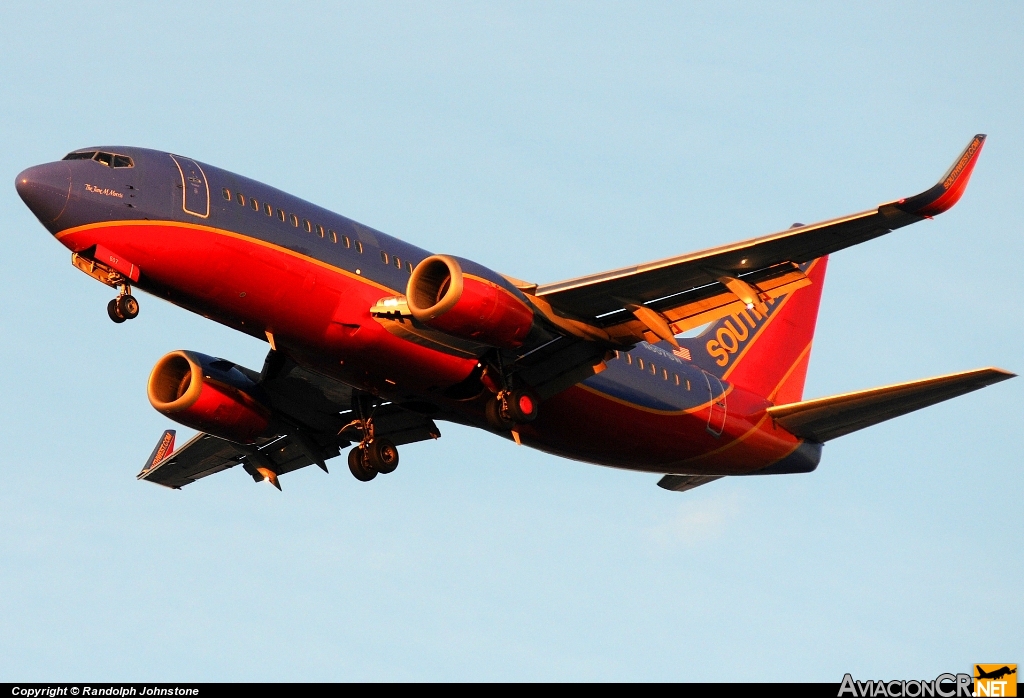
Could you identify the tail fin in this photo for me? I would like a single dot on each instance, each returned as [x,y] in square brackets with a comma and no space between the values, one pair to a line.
[766,353]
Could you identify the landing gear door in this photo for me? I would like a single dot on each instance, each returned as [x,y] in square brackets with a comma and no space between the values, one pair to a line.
[717,413]
[195,196]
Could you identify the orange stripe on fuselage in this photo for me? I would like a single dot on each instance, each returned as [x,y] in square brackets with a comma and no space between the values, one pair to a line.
[313,308]
[586,424]
[652,410]
[324,311]
[74,233]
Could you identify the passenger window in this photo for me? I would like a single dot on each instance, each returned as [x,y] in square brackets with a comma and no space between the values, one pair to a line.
[268,209]
[664,373]
[676,376]
[334,237]
[104,158]
[227,194]
[123,161]
[255,204]
[346,241]
[687,385]
[307,225]
[241,199]
[319,230]
[280,214]
[408,267]
[398,262]
[359,247]
[629,359]
[640,363]
[295,221]
[654,371]
[384,256]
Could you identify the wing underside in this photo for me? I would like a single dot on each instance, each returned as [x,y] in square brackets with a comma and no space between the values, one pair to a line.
[206,454]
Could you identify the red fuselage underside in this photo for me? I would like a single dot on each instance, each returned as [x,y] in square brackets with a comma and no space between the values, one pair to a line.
[321,314]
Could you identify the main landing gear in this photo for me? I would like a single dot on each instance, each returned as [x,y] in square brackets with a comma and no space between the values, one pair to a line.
[511,407]
[372,457]
[124,307]
[374,454]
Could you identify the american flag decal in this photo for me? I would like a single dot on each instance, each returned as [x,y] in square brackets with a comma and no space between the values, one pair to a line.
[683,353]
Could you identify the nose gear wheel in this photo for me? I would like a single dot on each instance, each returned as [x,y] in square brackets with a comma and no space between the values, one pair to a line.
[124,307]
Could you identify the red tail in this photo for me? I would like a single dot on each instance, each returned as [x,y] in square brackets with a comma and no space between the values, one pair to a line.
[765,354]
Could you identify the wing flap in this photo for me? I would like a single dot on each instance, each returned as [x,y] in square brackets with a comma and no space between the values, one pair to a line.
[829,418]
[707,304]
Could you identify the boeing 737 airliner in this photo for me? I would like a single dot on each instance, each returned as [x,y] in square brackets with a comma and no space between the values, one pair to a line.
[372,339]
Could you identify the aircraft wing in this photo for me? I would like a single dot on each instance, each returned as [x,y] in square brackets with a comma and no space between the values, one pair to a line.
[206,454]
[203,455]
[689,290]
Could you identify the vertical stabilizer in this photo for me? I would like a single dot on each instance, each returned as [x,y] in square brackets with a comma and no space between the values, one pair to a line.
[766,353]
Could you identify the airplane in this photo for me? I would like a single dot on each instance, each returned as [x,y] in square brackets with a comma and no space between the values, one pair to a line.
[371,339]
[995,674]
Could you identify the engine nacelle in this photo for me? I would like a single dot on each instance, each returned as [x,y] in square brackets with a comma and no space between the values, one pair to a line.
[210,395]
[470,306]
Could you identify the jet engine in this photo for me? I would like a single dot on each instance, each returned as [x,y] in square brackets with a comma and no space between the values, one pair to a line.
[209,394]
[470,306]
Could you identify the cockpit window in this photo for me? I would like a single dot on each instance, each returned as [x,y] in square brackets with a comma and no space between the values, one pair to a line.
[107,159]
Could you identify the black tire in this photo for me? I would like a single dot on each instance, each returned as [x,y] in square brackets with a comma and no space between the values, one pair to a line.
[112,311]
[382,456]
[357,466]
[522,406]
[494,415]
[127,307]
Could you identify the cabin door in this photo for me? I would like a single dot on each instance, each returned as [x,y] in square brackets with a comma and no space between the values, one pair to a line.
[717,413]
[195,194]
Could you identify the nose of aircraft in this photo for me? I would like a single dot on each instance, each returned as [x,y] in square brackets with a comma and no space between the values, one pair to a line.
[45,189]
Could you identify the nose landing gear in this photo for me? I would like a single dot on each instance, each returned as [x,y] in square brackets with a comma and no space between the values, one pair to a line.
[124,307]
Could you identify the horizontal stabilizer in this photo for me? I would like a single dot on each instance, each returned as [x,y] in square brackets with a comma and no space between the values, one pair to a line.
[681,483]
[829,418]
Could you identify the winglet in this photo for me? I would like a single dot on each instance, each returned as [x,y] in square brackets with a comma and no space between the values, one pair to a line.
[164,448]
[950,188]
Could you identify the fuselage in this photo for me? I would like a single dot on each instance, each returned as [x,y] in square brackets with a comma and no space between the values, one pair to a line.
[281,269]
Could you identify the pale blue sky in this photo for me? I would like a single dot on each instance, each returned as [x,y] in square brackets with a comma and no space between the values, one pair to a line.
[545,140]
